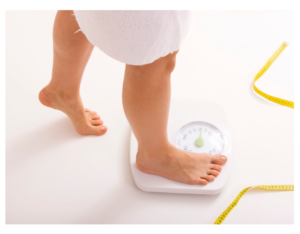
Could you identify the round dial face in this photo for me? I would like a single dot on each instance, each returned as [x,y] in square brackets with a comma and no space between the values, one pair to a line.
[200,137]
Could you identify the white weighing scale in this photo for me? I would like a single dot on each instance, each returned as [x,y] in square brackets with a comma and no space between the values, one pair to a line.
[199,126]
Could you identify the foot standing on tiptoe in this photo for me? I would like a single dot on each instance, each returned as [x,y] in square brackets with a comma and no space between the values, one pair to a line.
[71,53]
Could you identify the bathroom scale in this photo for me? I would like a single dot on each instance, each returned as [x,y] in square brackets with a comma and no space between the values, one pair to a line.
[194,125]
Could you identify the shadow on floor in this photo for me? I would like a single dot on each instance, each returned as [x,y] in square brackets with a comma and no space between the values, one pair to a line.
[31,143]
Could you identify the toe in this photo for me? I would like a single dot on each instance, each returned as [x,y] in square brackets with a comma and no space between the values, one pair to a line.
[208,178]
[94,117]
[203,182]
[97,130]
[215,167]
[97,122]
[86,110]
[218,159]
[94,112]
[213,173]
[102,130]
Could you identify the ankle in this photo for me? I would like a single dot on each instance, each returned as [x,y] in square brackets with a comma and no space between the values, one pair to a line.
[151,153]
[59,99]
[63,94]
[154,160]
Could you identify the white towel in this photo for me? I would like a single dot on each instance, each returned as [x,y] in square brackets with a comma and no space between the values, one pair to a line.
[135,37]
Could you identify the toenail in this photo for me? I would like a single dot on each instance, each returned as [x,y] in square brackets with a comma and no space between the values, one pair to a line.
[103,128]
[223,158]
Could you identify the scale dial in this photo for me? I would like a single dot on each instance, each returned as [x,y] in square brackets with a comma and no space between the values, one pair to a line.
[200,137]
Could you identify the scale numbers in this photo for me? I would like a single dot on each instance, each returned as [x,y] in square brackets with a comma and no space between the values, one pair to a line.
[212,137]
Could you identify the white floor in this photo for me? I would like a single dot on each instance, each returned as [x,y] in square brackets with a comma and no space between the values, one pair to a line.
[54,175]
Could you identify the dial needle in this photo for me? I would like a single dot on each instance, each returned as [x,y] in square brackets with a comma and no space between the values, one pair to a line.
[199,141]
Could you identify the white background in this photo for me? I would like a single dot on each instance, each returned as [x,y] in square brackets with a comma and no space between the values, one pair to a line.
[54,175]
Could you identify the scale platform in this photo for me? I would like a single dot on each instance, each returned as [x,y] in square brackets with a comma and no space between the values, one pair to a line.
[185,116]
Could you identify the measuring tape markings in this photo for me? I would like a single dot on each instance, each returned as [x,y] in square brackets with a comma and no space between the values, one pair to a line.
[279,101]
[263,70]
[223,216]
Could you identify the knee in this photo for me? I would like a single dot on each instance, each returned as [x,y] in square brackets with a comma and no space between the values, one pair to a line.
[170,62]
[67,42]
[161,66]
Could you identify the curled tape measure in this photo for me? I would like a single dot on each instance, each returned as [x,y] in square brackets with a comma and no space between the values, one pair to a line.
[263,70]
[223,216]
[277,100]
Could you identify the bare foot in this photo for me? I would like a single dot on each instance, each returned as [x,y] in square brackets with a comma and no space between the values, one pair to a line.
[181,166]
[86,122]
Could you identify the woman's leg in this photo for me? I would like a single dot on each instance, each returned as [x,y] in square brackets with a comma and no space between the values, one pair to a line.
[146,100]
[71,54]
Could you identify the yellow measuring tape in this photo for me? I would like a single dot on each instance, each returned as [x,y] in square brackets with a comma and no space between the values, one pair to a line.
[222,217]
[277,100]
[263,70]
